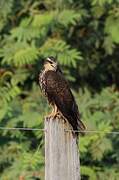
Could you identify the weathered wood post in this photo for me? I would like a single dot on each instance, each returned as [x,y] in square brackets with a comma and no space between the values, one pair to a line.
[61,152]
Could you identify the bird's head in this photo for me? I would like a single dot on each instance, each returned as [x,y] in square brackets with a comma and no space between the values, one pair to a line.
[50,64]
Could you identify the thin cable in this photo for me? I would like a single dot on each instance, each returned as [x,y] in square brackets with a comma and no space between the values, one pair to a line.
[92,131]
[22,129]
[66,130]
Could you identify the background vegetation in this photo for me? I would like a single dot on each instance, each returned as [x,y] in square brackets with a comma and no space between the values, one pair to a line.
[84,34]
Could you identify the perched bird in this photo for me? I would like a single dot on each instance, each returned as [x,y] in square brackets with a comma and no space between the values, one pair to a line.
[55,87]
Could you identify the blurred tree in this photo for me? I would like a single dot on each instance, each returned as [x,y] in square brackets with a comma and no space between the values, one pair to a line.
[84,36]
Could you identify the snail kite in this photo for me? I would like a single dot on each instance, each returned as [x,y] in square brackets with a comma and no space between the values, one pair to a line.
[57,90]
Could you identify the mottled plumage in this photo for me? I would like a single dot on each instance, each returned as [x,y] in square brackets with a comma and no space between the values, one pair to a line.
[58,92]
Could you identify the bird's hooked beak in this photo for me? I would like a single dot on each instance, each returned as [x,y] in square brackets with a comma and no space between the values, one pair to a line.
[50,64]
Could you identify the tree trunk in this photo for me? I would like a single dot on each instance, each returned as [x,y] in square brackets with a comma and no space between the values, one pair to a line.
[61,151]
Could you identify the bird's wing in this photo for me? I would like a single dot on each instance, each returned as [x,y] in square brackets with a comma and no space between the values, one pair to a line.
[58,90]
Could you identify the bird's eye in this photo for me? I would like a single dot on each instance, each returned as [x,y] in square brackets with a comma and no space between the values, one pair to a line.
[50,62]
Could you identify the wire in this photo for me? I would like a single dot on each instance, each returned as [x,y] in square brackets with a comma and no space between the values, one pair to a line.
[66,130]
[22,129]
[93,131]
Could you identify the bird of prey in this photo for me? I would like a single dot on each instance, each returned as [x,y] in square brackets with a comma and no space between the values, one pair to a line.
[55,87]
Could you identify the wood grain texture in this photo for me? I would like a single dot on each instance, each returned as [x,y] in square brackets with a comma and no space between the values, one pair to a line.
[61,152]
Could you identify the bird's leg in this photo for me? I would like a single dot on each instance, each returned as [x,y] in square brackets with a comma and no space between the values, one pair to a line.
[54,112]
[51,114]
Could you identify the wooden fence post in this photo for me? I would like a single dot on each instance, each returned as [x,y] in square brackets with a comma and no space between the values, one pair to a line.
[61,152]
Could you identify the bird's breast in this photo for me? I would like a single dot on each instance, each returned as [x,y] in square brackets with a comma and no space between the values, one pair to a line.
[42,82]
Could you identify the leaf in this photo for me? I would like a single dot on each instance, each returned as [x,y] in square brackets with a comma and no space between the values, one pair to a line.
[66,55]
[5,7]
[25,56]
[68,16]
[101,2]
[40,20]
[19,54]
[25,31]
[87,171]
[112,28]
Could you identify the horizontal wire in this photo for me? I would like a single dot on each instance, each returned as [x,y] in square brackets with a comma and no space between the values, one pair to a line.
[22,129]
[92,131]
[66,130]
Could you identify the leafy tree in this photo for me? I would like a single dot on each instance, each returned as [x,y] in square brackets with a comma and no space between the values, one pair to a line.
[84,37]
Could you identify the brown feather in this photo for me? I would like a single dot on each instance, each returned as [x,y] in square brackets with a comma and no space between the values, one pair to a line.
[58,92]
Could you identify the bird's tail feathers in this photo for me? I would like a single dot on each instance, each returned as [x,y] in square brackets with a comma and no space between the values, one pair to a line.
[81,127]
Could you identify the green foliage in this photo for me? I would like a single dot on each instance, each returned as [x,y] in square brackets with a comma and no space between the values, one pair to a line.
[68,16]
[88,172]
[112,26]
[84,37]
[64,53]
[5,10]
[19,54]
[101,2]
